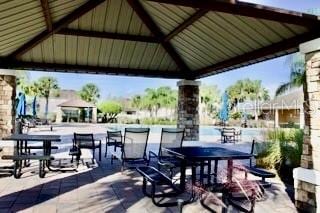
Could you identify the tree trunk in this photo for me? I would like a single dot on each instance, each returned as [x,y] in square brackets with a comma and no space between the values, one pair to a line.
[46,109]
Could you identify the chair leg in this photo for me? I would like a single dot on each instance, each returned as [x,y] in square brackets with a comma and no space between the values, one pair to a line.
[122,166]
[93,155]
[106,153]
[111,159]
[99,153]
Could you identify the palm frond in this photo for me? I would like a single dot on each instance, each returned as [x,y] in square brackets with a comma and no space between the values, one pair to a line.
[284,88]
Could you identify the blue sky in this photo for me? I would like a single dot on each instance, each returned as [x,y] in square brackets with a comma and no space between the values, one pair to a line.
[272,72]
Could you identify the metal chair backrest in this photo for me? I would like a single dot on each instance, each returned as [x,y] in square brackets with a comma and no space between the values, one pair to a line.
[170,138]
[135,143]
[252,151]
[228,131]
[114,136]
[83,140]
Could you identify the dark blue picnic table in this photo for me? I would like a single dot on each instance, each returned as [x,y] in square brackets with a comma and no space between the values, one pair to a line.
[198,154]
[21,154]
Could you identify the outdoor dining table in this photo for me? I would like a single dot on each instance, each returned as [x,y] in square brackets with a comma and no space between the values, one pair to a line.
[20,151]
[198,154]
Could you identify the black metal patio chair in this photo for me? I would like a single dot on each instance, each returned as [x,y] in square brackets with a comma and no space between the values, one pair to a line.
[228,135]
[170,138]
[133,151]
[259,172]
[158,179]
[86,141]
[114,138]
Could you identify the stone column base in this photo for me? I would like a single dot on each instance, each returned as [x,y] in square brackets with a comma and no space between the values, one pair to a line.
[307,189]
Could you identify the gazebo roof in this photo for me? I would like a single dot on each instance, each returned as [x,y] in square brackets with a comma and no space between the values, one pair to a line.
[153,38]
[77,103]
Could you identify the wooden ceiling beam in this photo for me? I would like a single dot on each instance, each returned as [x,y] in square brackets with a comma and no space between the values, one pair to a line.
[107,35]
[259,54]
[193,18]
[249,10]
[156,31]
[46,14]
[86,7]
[53,67]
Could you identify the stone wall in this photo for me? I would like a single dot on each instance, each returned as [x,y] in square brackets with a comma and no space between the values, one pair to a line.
[7,100]
[188,108]
[306,193]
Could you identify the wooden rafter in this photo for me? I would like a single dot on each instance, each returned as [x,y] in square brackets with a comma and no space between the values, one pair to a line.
[86,7]
[259,53]
[186,23]
[46,14]
[152,26]
[14,64]
[250,10]
[107,35]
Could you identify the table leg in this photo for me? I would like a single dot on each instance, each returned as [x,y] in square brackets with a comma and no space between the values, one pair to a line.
[193,174]
[26,162]
[230,170]
[215,176]
[201,171]
[183,175]
[209,172]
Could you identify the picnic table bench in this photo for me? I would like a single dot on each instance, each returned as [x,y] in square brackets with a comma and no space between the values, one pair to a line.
[22,152]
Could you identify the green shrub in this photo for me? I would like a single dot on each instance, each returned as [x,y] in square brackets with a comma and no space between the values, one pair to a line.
[281,151]
[283,148]
[236,115]
[159,121]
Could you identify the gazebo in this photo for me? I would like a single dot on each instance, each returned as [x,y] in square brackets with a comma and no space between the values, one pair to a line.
[178,39]
[73,109]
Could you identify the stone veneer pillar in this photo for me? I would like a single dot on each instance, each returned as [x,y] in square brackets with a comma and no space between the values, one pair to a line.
[188,108]
[7,102]
[307,177]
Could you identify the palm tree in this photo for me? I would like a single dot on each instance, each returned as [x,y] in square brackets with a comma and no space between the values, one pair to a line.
[90,93]
[296,63]
[46,86]
[297,74]
[23,79]
[210,97]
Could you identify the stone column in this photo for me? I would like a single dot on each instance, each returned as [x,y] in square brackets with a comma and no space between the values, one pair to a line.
[188,108]
[301,116]
[307,177]
[7,102]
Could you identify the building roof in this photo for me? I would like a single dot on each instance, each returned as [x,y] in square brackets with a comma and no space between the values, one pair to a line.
[153,38]
[77,103]
[290,100]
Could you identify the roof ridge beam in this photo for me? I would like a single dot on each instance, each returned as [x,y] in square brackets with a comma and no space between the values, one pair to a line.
[14,64]
[193,18]
[152,26]
[249,10]
[86,7]
[46,14]
[108,35]
[258,54]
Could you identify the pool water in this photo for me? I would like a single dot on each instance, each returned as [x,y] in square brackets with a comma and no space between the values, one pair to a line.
[204,130]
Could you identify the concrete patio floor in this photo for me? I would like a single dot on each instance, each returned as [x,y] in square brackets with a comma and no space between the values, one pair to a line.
[104,188]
